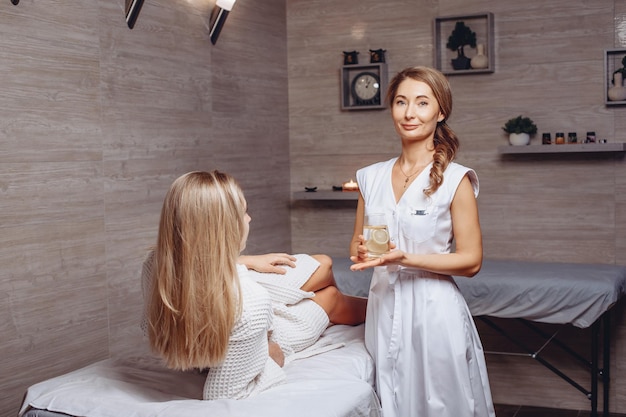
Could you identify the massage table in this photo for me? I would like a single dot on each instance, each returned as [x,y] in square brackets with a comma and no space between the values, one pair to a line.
[337,382]
[340,382]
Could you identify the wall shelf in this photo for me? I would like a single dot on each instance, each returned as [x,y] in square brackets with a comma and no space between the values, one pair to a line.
[565,148]
[326,195]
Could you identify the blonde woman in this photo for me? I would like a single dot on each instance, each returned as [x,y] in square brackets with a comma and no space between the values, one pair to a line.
[207,310]
[429,358]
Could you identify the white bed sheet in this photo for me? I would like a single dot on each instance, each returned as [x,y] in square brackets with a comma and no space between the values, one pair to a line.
[337,383]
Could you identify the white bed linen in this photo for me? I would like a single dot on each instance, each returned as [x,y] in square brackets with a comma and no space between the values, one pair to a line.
[337,383]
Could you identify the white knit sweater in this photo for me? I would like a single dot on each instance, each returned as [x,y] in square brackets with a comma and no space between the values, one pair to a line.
[247,367]
[271,302]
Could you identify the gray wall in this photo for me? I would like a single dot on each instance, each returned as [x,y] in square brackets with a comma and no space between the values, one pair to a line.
[549,66]
[96,121]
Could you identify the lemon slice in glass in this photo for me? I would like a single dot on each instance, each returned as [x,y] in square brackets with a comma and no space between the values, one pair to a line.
[378,242]
[380,236]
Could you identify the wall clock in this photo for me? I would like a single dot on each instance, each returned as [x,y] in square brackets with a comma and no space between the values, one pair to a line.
[363,87]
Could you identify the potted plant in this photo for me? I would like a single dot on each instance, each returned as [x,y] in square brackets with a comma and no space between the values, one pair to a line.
[520,129]
[461,36]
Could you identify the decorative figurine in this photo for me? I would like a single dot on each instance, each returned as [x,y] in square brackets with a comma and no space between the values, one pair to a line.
[350,58]
[377,55]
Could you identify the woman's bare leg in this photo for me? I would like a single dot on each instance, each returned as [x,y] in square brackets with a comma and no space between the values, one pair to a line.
[341,308]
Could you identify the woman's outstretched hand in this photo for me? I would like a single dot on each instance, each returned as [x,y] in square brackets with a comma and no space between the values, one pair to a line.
[363,261]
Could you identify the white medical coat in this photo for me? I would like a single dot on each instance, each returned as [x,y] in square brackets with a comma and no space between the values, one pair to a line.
[429,358]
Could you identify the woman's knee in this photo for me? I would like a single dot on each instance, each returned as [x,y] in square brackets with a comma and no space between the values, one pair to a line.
[328,298]
[323,276]
[326,262]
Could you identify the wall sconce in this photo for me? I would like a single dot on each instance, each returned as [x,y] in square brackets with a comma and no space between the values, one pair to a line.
[132,11]
[218,18]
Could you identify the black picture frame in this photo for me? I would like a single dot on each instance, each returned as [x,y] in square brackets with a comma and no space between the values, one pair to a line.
[480,23]
[612,61]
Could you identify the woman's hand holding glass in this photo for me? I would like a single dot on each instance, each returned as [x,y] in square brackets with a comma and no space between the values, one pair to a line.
[363,260]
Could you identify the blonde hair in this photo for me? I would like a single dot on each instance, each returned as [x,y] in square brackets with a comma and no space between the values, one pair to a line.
[446,141]
[194,302]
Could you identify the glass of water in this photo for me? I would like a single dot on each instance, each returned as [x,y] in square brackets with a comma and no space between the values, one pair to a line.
[376,235]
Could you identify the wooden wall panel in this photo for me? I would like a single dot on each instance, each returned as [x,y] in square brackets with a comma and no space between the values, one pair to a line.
[53,283]
[97,120]
[250,113]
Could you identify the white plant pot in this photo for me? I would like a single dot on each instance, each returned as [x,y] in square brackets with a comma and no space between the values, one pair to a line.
[519,139]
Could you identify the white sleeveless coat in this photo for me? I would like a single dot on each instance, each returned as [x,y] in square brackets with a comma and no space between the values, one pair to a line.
[429,358]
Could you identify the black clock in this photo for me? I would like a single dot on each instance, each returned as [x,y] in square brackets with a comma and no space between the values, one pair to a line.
[363,86]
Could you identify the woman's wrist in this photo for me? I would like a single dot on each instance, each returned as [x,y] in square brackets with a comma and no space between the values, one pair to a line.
[244,260]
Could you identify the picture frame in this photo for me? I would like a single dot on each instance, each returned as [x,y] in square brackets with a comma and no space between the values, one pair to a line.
[482,24]
[613,60]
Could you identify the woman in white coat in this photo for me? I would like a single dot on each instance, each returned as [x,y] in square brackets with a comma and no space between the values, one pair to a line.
[429,358]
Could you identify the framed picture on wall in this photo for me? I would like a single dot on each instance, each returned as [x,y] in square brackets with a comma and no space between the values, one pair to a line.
[465,44]
[614,76]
